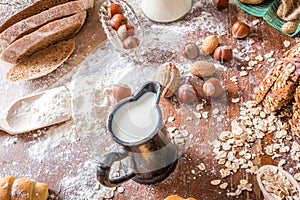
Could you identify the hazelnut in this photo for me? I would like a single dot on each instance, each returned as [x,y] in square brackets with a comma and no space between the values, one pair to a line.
[223,54]
[120,92]
[131,42]
[220,4]
[125,31]
[240,30]
[114,9]
[212,88]
[190,51]
[209,44]
[117,20]
[203,69]
[187,93]
[197,83]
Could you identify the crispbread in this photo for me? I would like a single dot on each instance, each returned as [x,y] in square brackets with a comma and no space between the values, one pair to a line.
[41,62]
[43,37]
[283,89]
[12,11]
[32,23]
[291,56]
[295,121]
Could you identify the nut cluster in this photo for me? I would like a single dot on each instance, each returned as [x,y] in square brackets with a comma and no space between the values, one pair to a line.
[125,31]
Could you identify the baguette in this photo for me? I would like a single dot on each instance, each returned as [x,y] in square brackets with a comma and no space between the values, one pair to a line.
[43,37]
[12,11]
[32,23]
[12,188]
[41,62]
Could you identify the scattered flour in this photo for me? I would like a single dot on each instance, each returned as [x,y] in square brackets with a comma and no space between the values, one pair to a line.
[90,85]
[51,107]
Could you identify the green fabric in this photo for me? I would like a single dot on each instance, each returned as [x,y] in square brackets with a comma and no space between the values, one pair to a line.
[268,10]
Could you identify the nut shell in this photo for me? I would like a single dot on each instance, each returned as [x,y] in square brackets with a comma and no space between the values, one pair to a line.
[190,51]
[202,69]
[187,94]
[223,54]
[212,88]
[121,91]
[220,4]
[197,83]
[209,44]
[131,42]
[240,30]
[114,9]
[125,30]
[118,20]
[168,76]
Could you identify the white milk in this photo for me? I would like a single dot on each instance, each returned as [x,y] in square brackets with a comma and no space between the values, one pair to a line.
[136,120]
[165,10]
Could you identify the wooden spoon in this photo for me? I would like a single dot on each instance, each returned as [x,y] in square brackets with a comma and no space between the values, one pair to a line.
[37,111]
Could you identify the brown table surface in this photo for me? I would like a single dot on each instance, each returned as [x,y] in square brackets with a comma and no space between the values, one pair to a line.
[70,156]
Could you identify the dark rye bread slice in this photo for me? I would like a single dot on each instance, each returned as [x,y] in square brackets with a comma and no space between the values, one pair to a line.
[43,37]
[32,23]
[42,62]
[12,11]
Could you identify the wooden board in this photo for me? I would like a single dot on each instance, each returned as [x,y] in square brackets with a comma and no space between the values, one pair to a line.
[187,180]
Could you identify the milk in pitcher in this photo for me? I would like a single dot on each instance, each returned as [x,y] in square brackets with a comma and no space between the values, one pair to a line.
[136,120]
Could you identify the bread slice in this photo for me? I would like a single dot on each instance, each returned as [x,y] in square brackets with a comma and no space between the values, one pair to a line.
[22,189]
[43,37]
[5,187]
[40,191]
[32,23]
[12,11]
[41,62]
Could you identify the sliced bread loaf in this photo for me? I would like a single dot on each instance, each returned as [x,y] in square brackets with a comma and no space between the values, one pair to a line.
[42,62]
[32,23]
[43,37]
[12,11]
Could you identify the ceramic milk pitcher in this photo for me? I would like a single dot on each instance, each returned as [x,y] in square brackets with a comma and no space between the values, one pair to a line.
[136,124]
[165,10]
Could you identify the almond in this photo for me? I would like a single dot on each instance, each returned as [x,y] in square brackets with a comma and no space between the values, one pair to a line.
[209,44]
[202,69]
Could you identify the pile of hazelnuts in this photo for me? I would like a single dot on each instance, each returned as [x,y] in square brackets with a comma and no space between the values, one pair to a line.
[204,85]
[125,31]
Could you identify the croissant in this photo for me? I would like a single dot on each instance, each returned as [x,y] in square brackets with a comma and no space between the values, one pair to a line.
[12,188]
[175,197]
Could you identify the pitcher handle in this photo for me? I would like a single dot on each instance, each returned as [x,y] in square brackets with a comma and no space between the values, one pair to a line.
[104,168]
